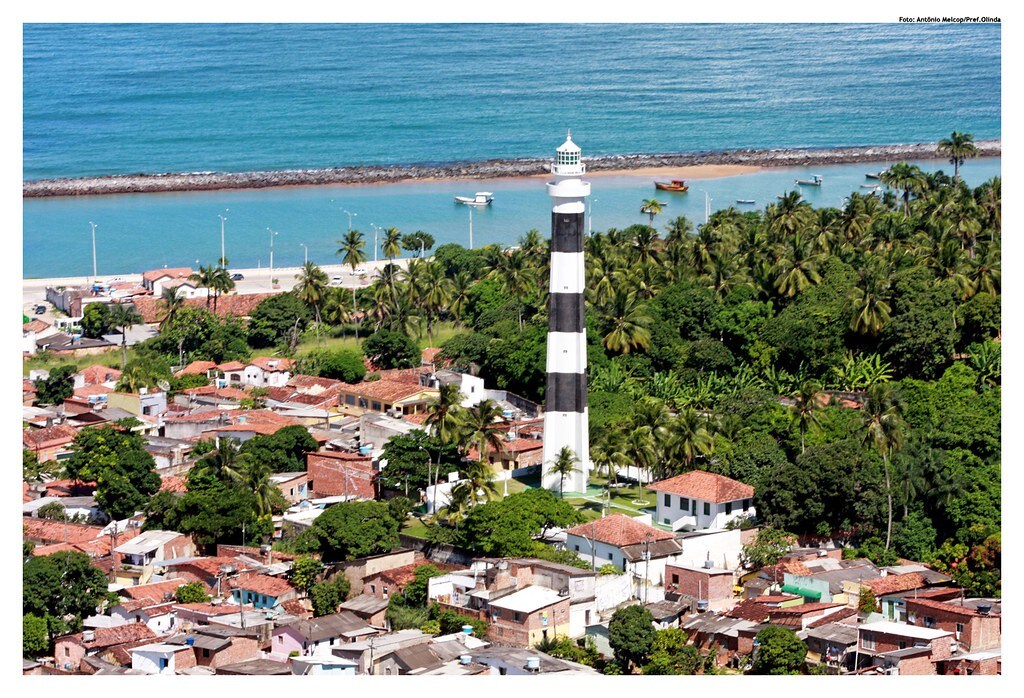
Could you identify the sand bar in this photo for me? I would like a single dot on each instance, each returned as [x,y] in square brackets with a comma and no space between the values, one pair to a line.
[657,165]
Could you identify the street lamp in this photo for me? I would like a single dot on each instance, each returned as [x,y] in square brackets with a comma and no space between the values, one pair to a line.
[349,219]
[376,228]
[590,218]
[272,234]
[93,249]
[470,228]
[305,254]
[707,207]
[223,218]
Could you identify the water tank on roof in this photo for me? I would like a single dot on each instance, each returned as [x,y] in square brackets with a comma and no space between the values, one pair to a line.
[465,659]
[365,449]
[702,605]
[190,641]
[468,629]
[88,635]
[533,663]
[709,564]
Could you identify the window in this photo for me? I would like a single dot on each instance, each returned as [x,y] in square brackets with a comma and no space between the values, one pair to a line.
[746,504]
[206,653]
[666,521]
[163,662]
[350,400]
[376,406]
[728,508]
[869,641]
[902,644]
[576,547]
[684,503]
[515,616]
[668,500]
[373,588]
[280,639]
[675,578]
[929,622]
[609,556]
[67,651]
[959,629]
[707,509]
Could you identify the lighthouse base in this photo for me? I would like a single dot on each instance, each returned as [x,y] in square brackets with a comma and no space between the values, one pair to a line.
[563,429]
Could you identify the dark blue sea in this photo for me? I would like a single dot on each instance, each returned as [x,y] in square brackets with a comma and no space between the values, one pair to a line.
[117,99]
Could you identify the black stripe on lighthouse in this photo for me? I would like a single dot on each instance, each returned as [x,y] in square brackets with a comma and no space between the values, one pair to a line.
[567,392]
[567,232]
[567,313]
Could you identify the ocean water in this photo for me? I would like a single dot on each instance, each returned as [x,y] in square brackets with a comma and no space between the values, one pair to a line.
[104,99]
[137,232]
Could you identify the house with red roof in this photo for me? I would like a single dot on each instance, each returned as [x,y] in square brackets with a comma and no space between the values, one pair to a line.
[155,280]
[336,473]
[975,627]
[268,372]
[700,500]
[637,549]
[50,443]
[261,590]
[397,398]
[68,651]
[96,375]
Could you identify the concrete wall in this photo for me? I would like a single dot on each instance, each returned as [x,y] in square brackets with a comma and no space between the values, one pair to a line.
[721,547]
[714,518]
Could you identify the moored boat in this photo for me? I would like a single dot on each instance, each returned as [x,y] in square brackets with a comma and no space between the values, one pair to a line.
[815,181]
[481,198]
[745,201]
[674,185]
[875,175]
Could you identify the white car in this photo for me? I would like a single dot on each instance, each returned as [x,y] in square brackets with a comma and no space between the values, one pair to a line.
[360,271]
[336,280]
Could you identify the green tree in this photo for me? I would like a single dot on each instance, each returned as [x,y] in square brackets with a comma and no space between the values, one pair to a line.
[958,148]
[116,460]
[387,350]
[779,651]
[768,547]
[35,637]
[172,301]
[193,592]
[805,410]
[415,592]
[54,511]
[277,320]
[215,513]
[57,387]
[867,603]
[883,428]
[352,529]
[306,571]
[311,289]
[410,458]
[652,207]
[631,635]
[284,451]
[564,465]
[124,316]
[63,585]
[325,598]
[342,364]
[96,320]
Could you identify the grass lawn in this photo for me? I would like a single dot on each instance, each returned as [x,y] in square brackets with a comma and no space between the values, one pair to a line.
[49,361]
[443,331]
[414,527]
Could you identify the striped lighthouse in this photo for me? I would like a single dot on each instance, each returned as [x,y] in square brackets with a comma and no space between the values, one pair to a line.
[565,415]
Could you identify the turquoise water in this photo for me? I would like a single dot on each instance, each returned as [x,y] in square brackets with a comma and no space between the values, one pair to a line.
[104,99]
[145,231]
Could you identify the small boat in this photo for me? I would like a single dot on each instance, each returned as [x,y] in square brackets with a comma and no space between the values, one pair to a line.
[481,198]
[815,181]
[869,186]
[745,201]
[875,175]
[674,185]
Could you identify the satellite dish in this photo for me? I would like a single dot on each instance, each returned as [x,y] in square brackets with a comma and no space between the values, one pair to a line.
[163,385]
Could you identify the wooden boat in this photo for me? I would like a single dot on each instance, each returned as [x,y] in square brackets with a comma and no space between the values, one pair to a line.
[481,198]
[674,185]
[815,181]
[745,201]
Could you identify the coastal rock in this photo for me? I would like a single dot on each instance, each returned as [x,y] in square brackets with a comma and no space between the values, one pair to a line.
[203,181]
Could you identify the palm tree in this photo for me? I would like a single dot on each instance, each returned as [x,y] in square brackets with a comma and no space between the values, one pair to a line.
[796,266]
[312,290]
[907,177]
[788,216]
[652,207]
[479,482]
[882,424]
[958,148]
[225,463]
[480,428]
[204,277]
[173,302]
[870,310]
[255,476]
[221,282]
[643,452]
[353,254]
[564,465]
[461,284]
[627,318]
[444,421]
[608,451]
[518,279]
[806,409]
[124,316]
[437,294]
[689,437]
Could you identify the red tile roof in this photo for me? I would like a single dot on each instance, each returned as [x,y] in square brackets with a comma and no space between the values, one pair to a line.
[108,637]
[57,435]
[833,617]
[96,374]
[208,609]
[196,367]
[173,272]
[227,392]
[35,325]
[892,583]
[750,610]
[945,606]
[402,375]
[69,488]
[707,487]
[273,364]
[619,530]
[334,474]
[90,390]
[301,380]
[398,577]
[231,366]
[255,427]
[58,532]
[172,483]
[792,566]
[261,584]
[428,355]
[234,417]
[804,609]
[386,390]
[155,592]
[152,309]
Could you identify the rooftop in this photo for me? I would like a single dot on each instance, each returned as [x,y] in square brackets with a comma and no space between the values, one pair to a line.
[902,629]
[618,530]
[528,600]
[708,487]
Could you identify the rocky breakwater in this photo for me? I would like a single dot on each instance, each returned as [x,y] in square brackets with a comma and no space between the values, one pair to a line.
[490,169]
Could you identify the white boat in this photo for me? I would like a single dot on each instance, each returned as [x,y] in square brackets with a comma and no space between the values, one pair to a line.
[744,201]
[815,181]
[481,198]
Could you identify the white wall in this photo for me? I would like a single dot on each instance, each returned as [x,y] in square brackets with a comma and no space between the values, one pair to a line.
[603,552]
[721,547]
[612,591]
[716,519]
[149,661]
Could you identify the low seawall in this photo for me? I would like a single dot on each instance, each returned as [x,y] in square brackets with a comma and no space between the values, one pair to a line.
[492,169]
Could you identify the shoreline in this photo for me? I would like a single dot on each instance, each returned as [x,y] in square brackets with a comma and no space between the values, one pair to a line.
[745,160]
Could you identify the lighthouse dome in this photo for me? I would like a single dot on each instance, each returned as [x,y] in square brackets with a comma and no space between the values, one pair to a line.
[567,160]
[568,146]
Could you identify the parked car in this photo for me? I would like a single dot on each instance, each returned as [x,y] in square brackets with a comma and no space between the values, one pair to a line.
[40,309]
[237,277]
[360,271]
[335,279]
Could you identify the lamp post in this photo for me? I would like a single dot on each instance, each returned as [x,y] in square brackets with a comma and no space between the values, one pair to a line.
[376,229]
[272,234]
[93,249]
[470,228]
[305,254]
[349,219]
[590,218]
[707,207]
[223,218]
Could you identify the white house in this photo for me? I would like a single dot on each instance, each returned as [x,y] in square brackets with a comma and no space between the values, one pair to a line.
[156,279]
[323,665]
[701,500]
[268,372]
[159,658]
[637,549]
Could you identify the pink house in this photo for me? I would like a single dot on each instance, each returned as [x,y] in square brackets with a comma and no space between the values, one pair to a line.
[318,636]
